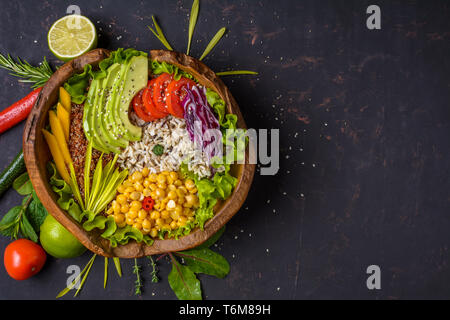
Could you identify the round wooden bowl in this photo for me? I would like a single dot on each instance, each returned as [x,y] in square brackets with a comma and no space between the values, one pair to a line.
[37,155]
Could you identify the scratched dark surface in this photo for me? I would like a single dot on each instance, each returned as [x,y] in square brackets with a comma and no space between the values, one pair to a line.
[364,119]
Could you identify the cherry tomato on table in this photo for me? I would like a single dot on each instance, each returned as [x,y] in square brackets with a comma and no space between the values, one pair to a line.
[175,94]
[23,259]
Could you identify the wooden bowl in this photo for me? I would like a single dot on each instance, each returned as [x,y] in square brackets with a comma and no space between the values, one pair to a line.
[37,155]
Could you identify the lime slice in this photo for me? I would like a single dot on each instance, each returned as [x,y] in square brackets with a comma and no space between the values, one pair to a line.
[71,36]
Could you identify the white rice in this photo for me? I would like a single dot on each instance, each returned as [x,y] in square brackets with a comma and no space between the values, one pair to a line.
[171,133]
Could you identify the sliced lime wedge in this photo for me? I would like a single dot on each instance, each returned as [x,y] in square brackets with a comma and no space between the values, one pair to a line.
[71,36]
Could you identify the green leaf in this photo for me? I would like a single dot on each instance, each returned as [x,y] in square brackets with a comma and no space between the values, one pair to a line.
[22,184]
[90,263]
[87,174]
[213,42]
[117,265]
[36,212]
[183,282]
[105,279]
[192,22]
[9,221]
[235,72]
[213,239]
[206,261]
[160,35]
[27,229]
[77,279]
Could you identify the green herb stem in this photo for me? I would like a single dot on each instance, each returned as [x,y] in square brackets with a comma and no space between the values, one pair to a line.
[192,22]
[213,42]
[159,34]
[235,72]
[38,76]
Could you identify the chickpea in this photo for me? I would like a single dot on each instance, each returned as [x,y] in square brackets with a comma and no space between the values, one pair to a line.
[154,215]
[178,209]
[135,196]
[165,214]
[142,214]
[172,195]
[145,172]
[193,191]
[162,185]
[173,175]
[146,224]
[124,208]
[161,179]
[138,186]
[121,199]
[137,176]
[137,225]
[160,193]
[136,205]
[121,188]
[171,205]
[146,192]
[132,214]
[153,232]
[189,184]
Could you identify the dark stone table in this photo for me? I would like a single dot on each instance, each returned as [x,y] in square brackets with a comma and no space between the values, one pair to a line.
[364,119]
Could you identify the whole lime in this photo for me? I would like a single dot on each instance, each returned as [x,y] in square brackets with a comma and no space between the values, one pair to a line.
[58,241]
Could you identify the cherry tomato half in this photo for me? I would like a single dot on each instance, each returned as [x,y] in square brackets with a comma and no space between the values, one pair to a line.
[148,101]
[175,94]
[159,91]
[23,259]
[139,108]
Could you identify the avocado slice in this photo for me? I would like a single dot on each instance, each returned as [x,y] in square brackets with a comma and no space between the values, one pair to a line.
[88,124]
[136,78]
[95,123]
[107,100]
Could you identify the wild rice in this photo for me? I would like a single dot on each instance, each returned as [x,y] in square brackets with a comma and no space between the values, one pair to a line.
[171,133]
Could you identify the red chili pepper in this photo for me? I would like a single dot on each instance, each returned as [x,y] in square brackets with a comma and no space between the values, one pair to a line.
[18,111]
[148,203]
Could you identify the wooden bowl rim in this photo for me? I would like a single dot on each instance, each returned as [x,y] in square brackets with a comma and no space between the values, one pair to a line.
[32,139]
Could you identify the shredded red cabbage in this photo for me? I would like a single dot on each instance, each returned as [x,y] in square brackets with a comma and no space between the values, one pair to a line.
[202,125]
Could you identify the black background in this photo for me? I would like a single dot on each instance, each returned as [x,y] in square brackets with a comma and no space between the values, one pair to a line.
[364,125]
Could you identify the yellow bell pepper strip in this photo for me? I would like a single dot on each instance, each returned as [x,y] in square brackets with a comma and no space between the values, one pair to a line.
[58,132]
[64,98]
[64,118]
[57,155]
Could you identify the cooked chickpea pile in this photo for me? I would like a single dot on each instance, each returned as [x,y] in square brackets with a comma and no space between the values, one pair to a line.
[175,202]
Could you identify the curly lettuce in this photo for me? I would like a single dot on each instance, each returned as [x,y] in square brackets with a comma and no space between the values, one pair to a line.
[164,67]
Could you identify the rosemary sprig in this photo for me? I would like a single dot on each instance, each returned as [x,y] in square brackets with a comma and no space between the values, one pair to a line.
[29,74]
[159,34]
[192,21]
[234,72]
[213,42]
[137,283]
[155,278]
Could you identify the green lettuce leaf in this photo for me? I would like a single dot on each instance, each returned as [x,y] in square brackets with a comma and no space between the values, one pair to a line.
[164,67]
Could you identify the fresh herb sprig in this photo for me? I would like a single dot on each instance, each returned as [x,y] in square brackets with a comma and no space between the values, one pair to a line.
[38,76]
[154,273]
[138,282]
[213,42]
[26,219]
[159,34]
[192,22]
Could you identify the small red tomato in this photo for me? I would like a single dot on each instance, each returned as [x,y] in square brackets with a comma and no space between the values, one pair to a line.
[23,259]
[148,203]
